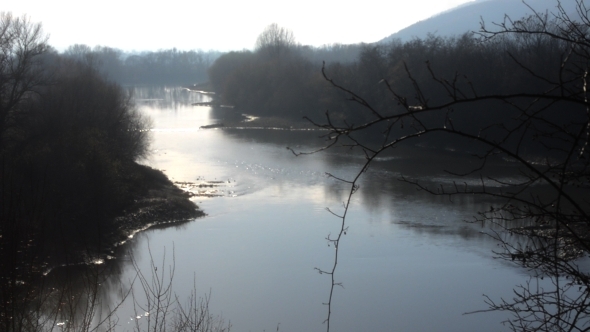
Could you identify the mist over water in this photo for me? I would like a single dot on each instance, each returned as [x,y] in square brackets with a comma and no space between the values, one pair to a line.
[409,261]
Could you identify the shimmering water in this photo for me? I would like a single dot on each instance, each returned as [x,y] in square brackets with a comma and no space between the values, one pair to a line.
[409,262]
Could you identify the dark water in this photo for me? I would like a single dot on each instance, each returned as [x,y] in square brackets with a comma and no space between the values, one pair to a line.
[409,262]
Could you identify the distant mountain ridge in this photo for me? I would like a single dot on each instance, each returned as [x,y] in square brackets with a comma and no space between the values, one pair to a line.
[467,17]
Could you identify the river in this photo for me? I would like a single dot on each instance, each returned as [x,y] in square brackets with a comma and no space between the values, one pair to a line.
[409,261]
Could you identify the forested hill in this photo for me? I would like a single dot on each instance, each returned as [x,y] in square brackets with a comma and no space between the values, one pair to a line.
[467,17]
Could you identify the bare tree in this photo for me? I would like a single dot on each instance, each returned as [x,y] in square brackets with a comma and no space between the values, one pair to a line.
[21,44]
[543,222]
[275,40]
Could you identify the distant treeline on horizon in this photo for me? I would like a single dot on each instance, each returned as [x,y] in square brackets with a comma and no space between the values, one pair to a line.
[290,83]
[169,66]
[176,67]
[281,78]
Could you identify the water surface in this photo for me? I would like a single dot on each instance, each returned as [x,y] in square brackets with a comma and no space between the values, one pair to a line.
[409,261]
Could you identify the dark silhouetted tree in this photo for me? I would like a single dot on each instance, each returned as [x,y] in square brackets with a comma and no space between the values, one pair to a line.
[21,44]
[275,41]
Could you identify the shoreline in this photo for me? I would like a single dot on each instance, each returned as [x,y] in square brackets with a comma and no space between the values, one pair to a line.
[247,121]
[161,204]
[242,120]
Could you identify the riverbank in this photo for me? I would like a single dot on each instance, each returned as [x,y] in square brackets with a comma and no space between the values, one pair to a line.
[233,118]
[246,121]
[158,202]
[204,88]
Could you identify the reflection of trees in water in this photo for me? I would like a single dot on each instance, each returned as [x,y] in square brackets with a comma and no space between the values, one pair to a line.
[87,297]
[416,210]
[381,189]
[66,136]
[279,137]
[71,296]
[167,97]
[541,222]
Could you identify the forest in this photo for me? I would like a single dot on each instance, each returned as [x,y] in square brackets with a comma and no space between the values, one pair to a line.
[293,84]
[70,184]
[162,67]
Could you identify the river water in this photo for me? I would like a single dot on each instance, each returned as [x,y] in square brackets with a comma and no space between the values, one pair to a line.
[409,261]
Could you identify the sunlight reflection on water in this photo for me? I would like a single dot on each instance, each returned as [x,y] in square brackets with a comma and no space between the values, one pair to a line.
[408,263]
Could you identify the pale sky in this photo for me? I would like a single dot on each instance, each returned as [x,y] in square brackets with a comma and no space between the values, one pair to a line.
[219,24]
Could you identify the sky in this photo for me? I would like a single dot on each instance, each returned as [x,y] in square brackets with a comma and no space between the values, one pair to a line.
[223,25]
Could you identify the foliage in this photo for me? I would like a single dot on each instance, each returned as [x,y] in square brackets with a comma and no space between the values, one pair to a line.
[280,78]
[69,144]
[226,66]
[291,84]
[83,134]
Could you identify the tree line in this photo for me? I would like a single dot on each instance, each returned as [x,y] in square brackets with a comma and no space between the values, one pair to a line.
[70,139]
[163,67]
[290,83]
[280,77]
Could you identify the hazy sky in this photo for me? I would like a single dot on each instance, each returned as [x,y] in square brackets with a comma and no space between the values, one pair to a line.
[219,24]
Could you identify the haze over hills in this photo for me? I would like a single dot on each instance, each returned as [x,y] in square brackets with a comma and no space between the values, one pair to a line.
[467,17]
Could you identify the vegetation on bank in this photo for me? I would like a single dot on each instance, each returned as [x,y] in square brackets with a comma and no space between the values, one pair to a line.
[291,84]
[70,185]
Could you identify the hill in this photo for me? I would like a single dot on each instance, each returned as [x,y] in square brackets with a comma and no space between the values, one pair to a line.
[467,17]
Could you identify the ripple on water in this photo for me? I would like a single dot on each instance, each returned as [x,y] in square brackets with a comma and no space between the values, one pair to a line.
[203,188]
